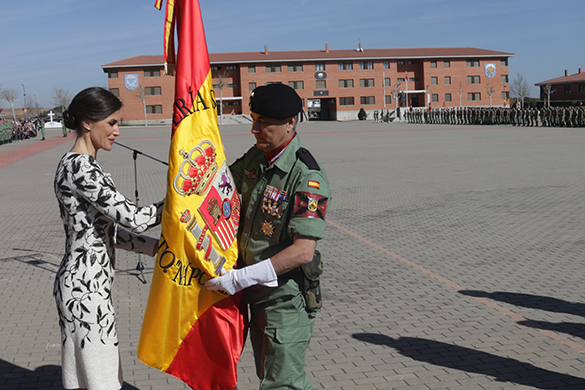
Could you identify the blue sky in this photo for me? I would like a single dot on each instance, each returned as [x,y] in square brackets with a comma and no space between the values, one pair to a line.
[63,43]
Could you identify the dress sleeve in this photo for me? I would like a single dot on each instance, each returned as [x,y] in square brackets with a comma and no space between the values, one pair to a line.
[90,183]
[136,243]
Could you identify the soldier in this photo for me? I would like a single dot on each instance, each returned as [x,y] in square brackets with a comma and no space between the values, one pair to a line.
[284,199]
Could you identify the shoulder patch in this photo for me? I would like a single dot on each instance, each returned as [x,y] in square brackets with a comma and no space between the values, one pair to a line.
[305,156]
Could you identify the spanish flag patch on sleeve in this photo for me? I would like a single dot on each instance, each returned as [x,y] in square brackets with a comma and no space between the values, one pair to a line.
[314,184]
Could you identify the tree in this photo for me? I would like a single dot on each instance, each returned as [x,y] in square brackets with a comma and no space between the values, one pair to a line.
[396,94]
[490,91]
[10,95]
[548,90]
[221,83]
[141,94]
[61,99]
[520,88]
[460,92]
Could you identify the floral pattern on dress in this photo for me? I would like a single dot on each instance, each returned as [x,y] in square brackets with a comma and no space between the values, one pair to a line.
[95,218]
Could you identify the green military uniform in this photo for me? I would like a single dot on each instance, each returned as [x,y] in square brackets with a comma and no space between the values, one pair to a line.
[278,201]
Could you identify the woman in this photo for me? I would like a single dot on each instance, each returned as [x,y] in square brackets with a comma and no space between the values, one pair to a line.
[94,215]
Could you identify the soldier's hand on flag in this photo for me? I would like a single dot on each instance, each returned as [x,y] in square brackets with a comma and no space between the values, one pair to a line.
[238,279]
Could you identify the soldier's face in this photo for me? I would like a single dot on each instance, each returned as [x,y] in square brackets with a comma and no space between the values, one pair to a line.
[271,133]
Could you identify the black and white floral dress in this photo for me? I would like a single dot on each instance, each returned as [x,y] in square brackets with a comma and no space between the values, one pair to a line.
[95,216]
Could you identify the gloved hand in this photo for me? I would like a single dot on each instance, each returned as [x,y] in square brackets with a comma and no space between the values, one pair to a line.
[238,279]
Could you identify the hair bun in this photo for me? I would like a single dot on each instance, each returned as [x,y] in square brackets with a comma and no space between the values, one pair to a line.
[69,120]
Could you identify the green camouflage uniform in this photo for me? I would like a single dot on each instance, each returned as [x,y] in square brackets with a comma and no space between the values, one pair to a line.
[278,201]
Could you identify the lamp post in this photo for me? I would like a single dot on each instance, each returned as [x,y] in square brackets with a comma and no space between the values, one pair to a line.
[24,100]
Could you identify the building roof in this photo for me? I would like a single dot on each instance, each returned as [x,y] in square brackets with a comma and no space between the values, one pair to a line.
[566,79]
[321,55]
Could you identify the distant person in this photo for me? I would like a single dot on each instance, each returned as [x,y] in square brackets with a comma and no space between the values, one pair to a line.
[95,216]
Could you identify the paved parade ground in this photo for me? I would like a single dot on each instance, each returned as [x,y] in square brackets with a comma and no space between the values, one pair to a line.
[454,257]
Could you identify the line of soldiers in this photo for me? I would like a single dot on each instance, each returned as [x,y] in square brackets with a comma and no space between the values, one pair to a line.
[382,115]
[532,116]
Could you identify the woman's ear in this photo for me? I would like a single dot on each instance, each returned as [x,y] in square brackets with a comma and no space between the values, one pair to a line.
[86,125]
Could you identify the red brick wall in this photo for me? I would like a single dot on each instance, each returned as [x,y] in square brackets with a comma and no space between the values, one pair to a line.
[236,98]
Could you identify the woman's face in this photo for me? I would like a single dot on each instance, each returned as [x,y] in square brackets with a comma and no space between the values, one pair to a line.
[103,133]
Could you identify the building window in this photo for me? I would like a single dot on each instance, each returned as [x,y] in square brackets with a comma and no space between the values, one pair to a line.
[152,72]
[473,63]
[345,66]
[414,79]
[346,101]
[115,92]
[155,109]
[581,87]
[435,98]
[113,74]
[251,68]
[295,67]
[366,83]
[447,64]
[504,62]
[346,83]
[447,97]
[215,67]
[366,65]
[251,86]
[473,80]
[447,80]
[473,96]
[232,103]
[387,82]
[320,84]
[505,78]
[388,99]
[401,79]
[152,91]
[231,67]
[567,88]
[367,100]
[275,68]
[386,64]
[399,62]
[296,84]
[413,62]
[232,86]
[433,64]
[319,66]
[434,80]
[505,95]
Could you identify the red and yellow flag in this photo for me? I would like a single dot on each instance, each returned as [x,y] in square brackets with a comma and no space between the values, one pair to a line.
[188,331]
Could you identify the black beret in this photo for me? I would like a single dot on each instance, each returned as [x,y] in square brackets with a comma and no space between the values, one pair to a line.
[278,101]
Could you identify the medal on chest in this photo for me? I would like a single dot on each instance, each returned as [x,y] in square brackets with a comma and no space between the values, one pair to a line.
[272,201]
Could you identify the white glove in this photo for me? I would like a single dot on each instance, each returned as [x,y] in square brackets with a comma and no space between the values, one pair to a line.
[238,279]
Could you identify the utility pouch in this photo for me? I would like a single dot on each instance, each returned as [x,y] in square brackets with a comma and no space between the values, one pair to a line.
[311,287]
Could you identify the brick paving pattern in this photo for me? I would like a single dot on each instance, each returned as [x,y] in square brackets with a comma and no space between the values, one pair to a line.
[454,257]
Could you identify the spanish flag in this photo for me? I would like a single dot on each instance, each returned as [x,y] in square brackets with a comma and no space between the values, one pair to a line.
[188,331]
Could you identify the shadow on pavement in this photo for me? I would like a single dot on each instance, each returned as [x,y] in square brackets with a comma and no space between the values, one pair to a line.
[502,369]
[531,301]
[44,377]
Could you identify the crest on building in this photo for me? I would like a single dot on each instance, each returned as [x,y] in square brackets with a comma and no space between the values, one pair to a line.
[131,81]
[490,70]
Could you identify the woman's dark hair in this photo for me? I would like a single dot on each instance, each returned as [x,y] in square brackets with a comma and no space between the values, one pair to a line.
[90,105]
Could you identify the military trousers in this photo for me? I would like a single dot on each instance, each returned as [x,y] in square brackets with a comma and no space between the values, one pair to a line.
[280,333]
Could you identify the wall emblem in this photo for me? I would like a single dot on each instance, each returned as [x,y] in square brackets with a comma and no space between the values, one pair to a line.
[131,81]
[490,70]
